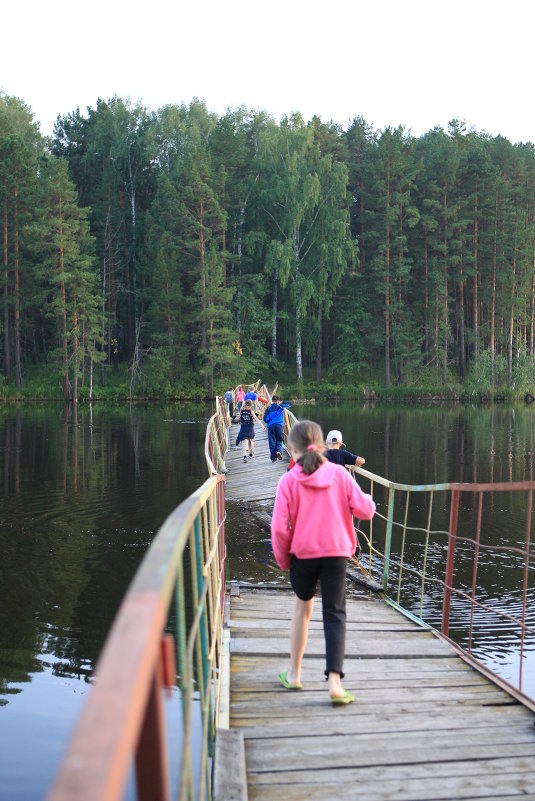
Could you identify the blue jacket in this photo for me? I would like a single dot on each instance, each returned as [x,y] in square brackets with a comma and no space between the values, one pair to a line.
[274,415]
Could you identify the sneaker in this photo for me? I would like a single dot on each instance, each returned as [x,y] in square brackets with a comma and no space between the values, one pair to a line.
[279,455]
[245,459]
[251,455]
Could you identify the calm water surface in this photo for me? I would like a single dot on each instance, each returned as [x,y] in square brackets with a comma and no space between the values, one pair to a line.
[82,499]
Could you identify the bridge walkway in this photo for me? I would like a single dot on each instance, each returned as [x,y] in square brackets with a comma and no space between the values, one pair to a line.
[424,724]
[257,479]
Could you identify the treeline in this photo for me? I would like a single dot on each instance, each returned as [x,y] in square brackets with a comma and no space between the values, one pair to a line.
[193,247]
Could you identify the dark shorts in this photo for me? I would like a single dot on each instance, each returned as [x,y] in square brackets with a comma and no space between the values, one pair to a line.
[304,574]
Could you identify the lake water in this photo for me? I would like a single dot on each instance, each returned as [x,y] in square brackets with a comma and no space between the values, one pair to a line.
[82,499]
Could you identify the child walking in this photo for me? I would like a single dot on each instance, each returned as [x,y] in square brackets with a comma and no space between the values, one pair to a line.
[274,419]
[313,535]
[246,432]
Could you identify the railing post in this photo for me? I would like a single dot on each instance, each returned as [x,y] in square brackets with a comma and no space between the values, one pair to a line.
[200,585]
[525,586]
[388,536]
[474,574]
[151,754]
[452,539]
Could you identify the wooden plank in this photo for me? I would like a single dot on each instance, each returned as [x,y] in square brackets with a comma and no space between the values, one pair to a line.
[230,775]
[383,669]
[369,720]
[422,788]
[323,716]
[315,647]
[309,753]
[413,770]
[270,625]
[317,693]
[248,680]
[271,607]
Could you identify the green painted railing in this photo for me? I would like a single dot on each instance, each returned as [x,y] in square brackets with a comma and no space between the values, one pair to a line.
[216,443]
[425,544]
[169,628]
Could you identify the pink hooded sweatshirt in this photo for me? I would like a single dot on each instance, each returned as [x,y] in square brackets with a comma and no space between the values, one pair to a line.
[313,515]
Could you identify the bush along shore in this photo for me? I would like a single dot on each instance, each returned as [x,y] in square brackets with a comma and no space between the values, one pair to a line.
[44,385]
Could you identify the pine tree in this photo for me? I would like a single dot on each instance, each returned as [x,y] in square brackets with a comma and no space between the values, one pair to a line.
[67,269]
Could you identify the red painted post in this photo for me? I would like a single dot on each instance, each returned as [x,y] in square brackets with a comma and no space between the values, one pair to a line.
[452,538]
[476,565]
[152,770]
[525,586]
[168,651]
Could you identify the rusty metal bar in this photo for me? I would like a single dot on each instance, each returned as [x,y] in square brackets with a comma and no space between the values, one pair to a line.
[454,513]
[152,770]
[388,536]
[474,576]
[525,586]
[216,442]
[402,545]
[430,512]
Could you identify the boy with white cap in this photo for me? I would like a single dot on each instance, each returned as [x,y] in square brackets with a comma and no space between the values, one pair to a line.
[336,452]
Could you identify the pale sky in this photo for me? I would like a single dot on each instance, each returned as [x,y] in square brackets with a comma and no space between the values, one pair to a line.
[418,63]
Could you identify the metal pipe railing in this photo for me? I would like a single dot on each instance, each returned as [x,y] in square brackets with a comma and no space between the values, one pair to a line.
[400,534]
[216,441]
[122,725]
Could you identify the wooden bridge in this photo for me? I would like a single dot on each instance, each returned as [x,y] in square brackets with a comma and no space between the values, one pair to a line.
[425,724]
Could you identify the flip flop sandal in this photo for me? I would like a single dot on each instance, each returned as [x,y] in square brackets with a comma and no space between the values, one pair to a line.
[282,679]
[346,698]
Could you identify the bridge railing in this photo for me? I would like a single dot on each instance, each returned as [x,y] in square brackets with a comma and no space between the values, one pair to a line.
[169,625]
[216,441]
[425,544]
[289,421]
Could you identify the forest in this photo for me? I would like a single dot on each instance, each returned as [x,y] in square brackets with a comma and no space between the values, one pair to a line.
[172,253]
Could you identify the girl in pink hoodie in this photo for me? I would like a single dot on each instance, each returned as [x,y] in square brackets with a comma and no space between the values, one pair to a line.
[313,535]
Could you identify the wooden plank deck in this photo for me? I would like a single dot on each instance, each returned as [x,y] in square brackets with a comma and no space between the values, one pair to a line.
[257,480]
[424,725]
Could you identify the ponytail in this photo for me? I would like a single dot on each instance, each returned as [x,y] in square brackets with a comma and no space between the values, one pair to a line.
[306,437]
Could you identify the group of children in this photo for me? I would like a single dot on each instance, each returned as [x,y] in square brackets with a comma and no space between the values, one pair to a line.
[312,531]
[334,450]
[273,418]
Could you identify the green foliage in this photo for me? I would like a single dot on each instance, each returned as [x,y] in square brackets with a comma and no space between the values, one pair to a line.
[187,250]
[479,381]
[523,374]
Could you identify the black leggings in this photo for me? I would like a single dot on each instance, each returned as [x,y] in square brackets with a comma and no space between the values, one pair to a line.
[331,571]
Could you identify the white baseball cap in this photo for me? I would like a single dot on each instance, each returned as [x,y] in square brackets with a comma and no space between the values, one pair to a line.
[335,436]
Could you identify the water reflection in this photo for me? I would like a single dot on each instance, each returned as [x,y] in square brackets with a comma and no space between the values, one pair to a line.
[83,494]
